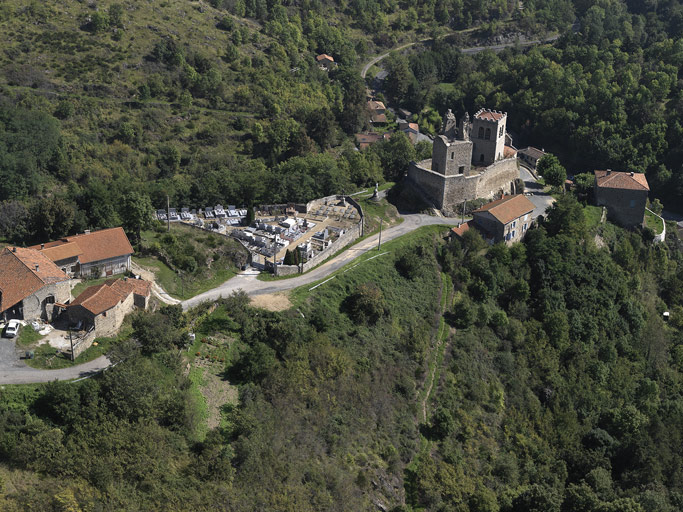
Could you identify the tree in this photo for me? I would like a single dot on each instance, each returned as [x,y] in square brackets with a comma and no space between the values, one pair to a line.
[552,171]
[156,333]
[395,155]
[137,214]
[53,218]
[365,305]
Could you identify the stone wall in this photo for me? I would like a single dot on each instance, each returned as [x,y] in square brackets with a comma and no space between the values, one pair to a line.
[447,192]
[108,323]
[81,343]
[33,304]
[449,157]
[348,237]
[618,202]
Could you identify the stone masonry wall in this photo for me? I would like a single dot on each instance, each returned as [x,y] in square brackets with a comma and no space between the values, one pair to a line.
[498,176]
[33,304]
[618,201]
[109,325]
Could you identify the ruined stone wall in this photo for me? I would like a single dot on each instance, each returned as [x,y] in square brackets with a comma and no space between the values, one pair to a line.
[449,157]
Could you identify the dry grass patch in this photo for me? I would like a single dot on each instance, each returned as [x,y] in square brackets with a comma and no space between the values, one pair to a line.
[272,301]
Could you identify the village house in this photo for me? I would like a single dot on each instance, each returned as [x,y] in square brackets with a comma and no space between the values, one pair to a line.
[91,254]
[377,112]
[530,156]
[624,194]
[412,130]
[104,306]
[365,140]
[325,61]
[506,219]
[30,285]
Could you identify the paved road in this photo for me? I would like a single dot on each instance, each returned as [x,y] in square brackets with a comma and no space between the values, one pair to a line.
[469,51]
[253,286]
[18,373]
[540,199]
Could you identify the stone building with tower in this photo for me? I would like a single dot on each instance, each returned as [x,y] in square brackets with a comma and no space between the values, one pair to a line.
[470,160]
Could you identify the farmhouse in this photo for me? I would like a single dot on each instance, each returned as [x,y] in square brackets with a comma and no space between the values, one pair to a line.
[624,194]
[103,307]
[30,284]
[91,254]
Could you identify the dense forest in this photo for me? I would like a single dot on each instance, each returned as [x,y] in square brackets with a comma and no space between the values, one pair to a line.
[442,376]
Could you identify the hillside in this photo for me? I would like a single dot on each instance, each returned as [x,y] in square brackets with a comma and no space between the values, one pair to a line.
[437,376]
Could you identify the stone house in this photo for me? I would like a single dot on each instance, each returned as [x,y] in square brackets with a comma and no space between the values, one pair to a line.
[531,156]
[624,194]
[465,167]
[30,285]
[90,254]
[365,140]
[506,219]
[103,307]
[377,112]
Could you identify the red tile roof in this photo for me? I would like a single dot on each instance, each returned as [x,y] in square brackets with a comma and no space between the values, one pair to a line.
[379,118]
[489,115]
[324,56]
[95,246]
[376,105]
[24,272]
[509,152]
[102,297]
[622,180]
[462,228]
[508,208]
[62,252]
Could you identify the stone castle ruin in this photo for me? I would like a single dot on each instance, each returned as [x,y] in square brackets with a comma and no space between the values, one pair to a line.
[469,161]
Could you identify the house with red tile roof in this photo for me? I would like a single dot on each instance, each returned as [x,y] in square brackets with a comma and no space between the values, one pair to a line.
[90,254]
[506,219]
[325,61]
[624,194]
[30,284]
[104,306]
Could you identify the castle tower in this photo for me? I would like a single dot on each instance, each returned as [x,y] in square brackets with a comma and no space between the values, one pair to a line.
[488,135]
[449,128]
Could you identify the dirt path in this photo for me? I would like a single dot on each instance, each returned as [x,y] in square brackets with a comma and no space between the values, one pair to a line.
[272,301]
[157,290]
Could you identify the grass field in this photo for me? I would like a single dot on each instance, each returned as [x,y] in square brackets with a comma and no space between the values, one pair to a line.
[653,222]
[27,336]
[593,214]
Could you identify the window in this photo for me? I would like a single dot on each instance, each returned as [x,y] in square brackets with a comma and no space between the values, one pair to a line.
[488,134]
[481,132]
[632,203]
[513,234]
[500,133]
[514,223]
[524,227]
[452,155]
[481,158]
[461,169]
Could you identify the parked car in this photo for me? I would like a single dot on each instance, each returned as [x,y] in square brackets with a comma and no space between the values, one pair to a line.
[12,328]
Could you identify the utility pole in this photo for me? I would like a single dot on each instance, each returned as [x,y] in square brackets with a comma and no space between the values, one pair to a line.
[379,242]
[72,345]
[168,214]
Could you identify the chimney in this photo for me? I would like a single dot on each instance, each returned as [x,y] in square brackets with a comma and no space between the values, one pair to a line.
[14,249]
[609,171]
[37,267]
[87,231]
[42,246]
[632,173]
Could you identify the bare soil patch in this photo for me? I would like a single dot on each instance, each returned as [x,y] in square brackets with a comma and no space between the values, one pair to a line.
[272,301]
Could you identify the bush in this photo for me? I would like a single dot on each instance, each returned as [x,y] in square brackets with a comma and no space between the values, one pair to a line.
[366,305]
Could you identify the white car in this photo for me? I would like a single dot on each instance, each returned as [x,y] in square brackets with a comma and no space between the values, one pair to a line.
[12,328]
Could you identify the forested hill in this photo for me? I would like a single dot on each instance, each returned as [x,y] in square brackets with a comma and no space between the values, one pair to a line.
[438,376]
[208,102]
